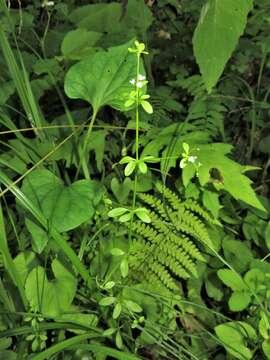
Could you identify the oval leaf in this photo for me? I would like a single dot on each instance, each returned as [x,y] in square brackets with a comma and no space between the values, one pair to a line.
[107,301]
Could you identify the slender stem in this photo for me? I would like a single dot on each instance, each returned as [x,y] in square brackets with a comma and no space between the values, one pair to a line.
[136,146]
[83,162]
[263,61]
[137,108]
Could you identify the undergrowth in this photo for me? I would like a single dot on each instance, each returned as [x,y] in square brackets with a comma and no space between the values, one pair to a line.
[134,184]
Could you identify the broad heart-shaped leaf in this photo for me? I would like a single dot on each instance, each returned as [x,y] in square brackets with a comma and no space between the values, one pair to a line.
[65,207]
[103,78]
[51,298]
[226,173]
[221,24]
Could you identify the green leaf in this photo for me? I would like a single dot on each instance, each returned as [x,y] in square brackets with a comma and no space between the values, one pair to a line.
[147,106]
[239,300]
[75,317]
[237,253]
[231,279]
[39,236]
[211,202]
[117,311]
[126,217]
[224,173]
[105,18]
[109,332]
[130,167]
[5,343]
[8,355]
[124,267]
[79,43]
[118,340]
[142,167]
[46,66]
[213,289]
[267,235]
[58,202]
[254,278]
[264,326]
[97,144]
[98,17]
[24,263]
[266,348]
[107,301]
[133,306]
[117,252]
[51,298]
[109,285]
[126,160]
[121,190]
[188,172]
[117,212]
[7,88]
[103,78]
[221,24]
[143,215]
[234,335]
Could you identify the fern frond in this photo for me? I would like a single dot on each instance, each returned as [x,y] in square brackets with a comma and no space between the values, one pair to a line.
[188,246]
[145,230]
[154,203]
[172,198]
[205,112]
[179,255]
[192,205]
[170,251]
[162,274]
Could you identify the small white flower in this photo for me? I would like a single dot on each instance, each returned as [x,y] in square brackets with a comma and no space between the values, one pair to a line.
[192,159]
[139,84]
[141,77]
[47,3]
[132,81]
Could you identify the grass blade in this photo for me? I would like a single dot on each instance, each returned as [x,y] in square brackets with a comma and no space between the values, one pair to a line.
[9,265]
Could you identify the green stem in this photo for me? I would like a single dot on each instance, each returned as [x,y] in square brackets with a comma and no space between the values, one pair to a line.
[83,161]
[136,147]
[137,109]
